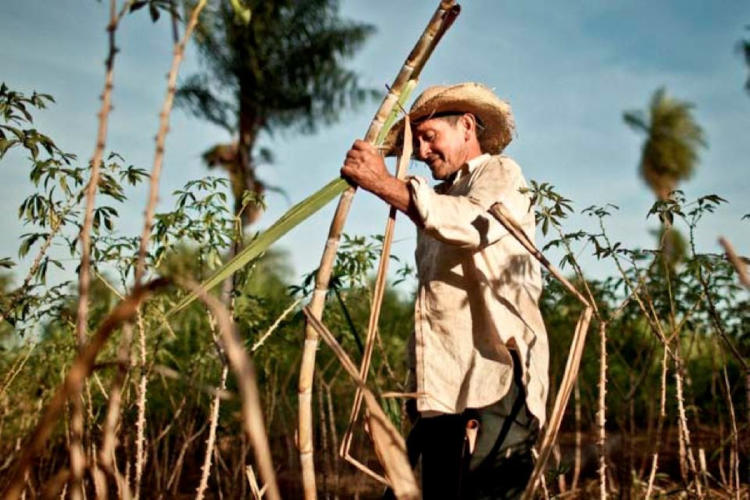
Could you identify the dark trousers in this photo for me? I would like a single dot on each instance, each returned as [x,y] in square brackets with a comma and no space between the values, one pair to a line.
[501,463]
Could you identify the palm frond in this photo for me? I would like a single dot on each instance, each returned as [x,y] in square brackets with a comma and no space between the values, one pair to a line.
[674,138]
[197,97]
[636,120]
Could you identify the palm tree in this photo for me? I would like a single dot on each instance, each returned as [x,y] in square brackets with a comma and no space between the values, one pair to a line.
[673,138]
[281,69]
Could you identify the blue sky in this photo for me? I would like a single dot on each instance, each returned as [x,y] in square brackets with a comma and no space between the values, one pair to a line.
[569,70]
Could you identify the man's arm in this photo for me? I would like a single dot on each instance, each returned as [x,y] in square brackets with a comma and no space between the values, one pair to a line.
[462,220]
[364,166]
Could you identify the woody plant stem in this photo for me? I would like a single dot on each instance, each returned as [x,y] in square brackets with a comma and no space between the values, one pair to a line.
[406,78]
[140,267]
[244,371]
[71,387]
[574,355]
[77,459]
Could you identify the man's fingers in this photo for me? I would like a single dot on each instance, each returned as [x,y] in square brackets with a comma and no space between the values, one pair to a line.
[353,158]
[364,146]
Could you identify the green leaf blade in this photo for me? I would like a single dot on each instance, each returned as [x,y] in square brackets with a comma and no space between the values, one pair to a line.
[283,225]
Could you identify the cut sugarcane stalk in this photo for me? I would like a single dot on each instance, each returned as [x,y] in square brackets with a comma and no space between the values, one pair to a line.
[377,296]
[405,81]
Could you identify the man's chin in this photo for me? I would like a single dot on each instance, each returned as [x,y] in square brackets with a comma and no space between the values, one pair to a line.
[436,172]
[440,175]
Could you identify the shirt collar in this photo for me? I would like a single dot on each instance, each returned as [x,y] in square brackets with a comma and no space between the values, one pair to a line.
[471,165]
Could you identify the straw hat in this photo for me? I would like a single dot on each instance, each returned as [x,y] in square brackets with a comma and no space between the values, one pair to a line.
[494,114]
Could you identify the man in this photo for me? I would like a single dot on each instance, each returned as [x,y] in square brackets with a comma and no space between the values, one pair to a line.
[479,354]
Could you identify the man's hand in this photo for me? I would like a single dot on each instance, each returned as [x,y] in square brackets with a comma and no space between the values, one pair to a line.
[364,166]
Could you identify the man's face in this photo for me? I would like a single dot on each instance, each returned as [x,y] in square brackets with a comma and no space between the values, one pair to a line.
[441,145]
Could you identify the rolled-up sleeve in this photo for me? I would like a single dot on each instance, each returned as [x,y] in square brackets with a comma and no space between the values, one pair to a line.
[463,220]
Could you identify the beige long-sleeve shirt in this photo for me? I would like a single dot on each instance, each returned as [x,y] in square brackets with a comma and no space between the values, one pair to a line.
[478,293]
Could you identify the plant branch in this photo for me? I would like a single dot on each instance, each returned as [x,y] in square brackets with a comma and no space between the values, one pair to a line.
[390,447]
[573,362]
[71,387]
[244,371]
[77,458]
[161,135]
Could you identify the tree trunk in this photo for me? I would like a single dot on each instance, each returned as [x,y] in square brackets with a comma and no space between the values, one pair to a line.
[242,172]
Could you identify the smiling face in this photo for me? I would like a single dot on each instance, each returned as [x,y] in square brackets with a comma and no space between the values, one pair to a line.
[445,144]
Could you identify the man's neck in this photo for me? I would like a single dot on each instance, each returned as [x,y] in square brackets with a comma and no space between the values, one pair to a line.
[469,165]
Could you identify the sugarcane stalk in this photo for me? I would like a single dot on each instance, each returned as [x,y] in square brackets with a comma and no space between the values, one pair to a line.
[574,354]
[378,293]
[390,447]
[399,90]
[563,396]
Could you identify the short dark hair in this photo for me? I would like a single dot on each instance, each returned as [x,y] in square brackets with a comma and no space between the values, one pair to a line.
[452,117]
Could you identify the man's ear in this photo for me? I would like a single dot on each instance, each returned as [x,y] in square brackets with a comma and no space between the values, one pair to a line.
[469,124]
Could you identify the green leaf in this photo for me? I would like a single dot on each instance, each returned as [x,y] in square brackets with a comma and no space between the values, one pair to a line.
[242,14]
[137,5]
[283,225]
[28,241]
[153,10]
